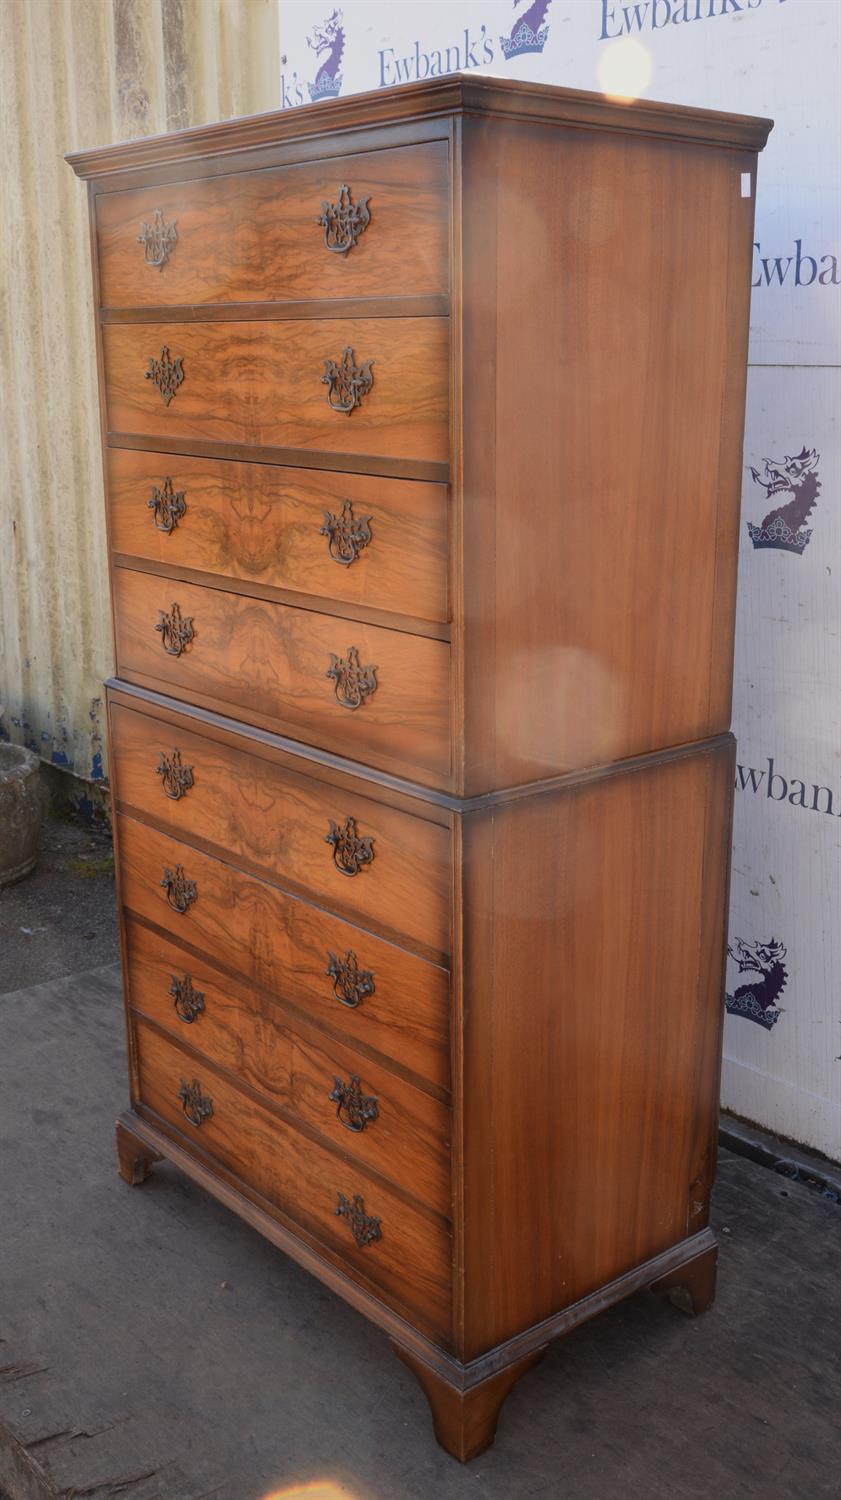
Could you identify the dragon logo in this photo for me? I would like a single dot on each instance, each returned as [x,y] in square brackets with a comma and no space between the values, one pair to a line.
[757,999]
[329,39]
[528,33]
[796,478]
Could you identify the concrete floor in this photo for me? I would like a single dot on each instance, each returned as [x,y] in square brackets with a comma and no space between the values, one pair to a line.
[62,919]
[155,1346]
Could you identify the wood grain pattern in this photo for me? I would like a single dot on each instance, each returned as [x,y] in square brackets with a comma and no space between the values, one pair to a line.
[260,383]
[598,623]
[250,656]
[262,524]
[276,822]
[292,755]
[419,105]
[283,946]
[420,469]
[253,236]
[465,1419]
[691,1287]
[410,1263]
[253,1038]
[156,1139]
[565,347]
[134,1159]
[272,312]
[586,1114]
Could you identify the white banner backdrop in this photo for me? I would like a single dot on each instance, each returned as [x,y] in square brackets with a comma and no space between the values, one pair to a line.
[769,57]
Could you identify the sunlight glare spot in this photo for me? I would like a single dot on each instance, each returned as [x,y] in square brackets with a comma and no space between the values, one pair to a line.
[316,1489]
[624,70]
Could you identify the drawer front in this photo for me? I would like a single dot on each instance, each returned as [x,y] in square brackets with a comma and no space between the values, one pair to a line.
[400,1249]
[386,704]
[352,854]
[380,543]
[369,992]
[255,236]
[356,1105]
[285,385]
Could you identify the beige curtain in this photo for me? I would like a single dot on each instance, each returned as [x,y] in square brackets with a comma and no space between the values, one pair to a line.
[74,74]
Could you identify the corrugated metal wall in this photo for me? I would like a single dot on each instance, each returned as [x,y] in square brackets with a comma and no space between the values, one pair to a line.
[73,74]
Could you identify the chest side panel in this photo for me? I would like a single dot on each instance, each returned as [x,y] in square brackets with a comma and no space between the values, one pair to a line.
[594,922]
[605,287]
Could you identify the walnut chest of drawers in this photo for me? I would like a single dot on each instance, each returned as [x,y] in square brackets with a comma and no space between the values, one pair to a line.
[422,420]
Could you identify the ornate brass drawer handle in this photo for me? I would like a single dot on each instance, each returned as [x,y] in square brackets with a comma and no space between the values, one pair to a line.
[158,240]
[176,632]
[176,779]
[166,373]
[364,1227]
[347,534]
[353,1108]
[354,683]
[351,984]
[180,892]
[343,221]
[188,1001]
[347,382]
[197,1106]
[168,505]
[351,851]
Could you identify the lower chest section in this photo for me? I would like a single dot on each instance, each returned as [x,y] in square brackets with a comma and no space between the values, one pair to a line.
[286,950]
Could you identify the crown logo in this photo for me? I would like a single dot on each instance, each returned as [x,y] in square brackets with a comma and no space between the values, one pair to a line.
[793,484]
[529,33]
[327,39]
[325,87]
[779,535]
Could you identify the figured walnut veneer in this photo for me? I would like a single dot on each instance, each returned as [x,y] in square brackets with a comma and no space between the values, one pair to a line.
[254,236]
[260,383]
[422,418]
[269,528]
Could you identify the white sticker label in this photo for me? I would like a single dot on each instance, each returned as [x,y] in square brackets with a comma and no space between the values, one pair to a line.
[746,184]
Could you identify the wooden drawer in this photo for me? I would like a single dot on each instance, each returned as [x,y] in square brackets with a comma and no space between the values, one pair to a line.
[409,1262]
[268,663]
[368,992]
[255,236]
[360,1108]
[380,543]
[263,384]
[383,866]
